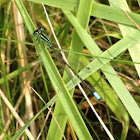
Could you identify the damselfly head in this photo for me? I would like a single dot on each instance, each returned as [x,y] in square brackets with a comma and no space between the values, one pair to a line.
[39,30]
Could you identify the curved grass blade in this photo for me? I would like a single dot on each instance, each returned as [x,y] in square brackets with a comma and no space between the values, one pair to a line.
[58,84]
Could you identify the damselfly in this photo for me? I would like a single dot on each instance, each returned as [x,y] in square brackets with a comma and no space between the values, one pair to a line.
[45,39]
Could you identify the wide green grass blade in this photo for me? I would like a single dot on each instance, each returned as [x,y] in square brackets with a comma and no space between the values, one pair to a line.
[111,99]
[111,75]
[58,84]
[64,4]
[64,96]
[114,14]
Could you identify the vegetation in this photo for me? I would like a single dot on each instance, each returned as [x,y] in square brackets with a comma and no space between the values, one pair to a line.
[40,98]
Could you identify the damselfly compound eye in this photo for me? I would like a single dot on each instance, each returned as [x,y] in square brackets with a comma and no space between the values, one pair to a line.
[35,32]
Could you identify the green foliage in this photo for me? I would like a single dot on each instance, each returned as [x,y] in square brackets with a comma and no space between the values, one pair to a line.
[75,27]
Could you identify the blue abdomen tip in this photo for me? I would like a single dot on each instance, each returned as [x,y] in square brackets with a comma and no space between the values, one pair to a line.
[97,95]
